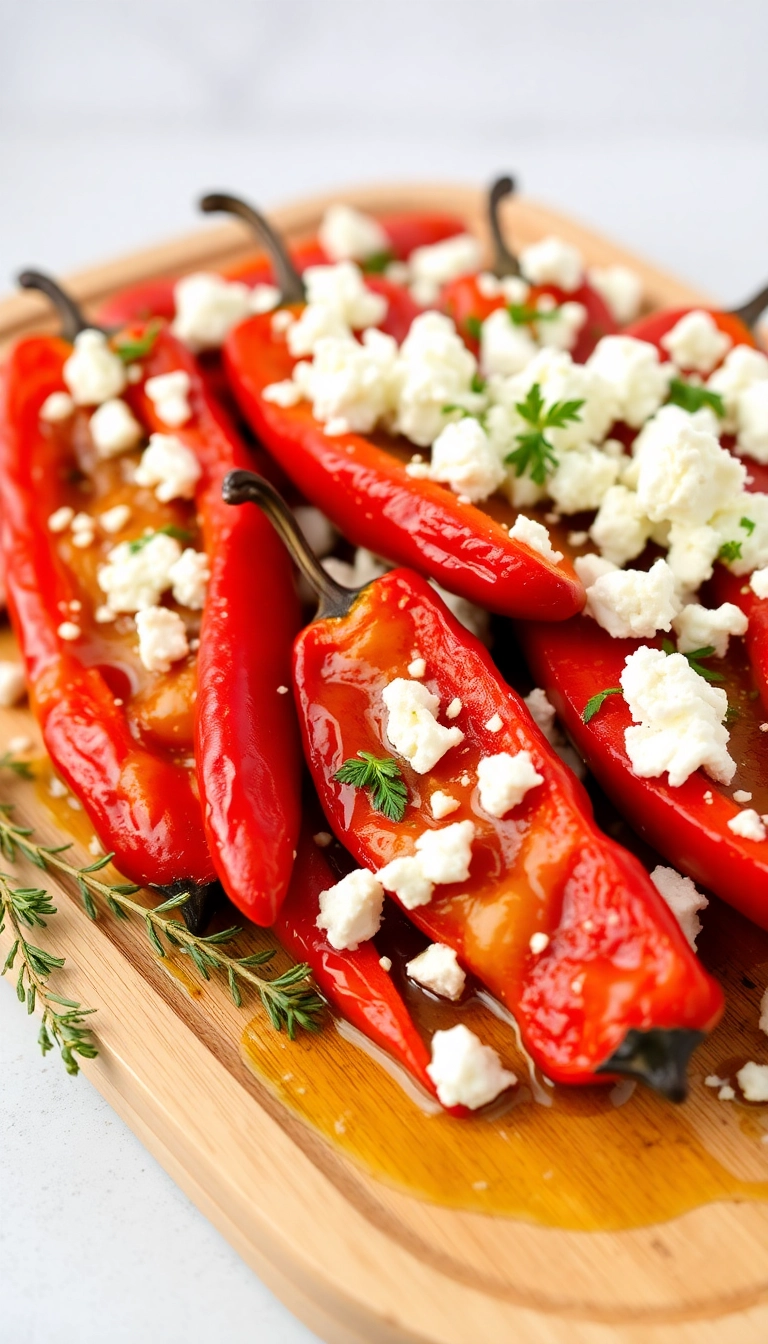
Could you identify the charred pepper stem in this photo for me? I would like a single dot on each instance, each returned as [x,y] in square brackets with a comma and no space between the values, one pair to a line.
[505,262]
[659,1058]
[204,900]
[750,311]
[289,281]
[73,320]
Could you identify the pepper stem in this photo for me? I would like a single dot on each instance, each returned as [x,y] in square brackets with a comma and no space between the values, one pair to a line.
[245,487]
[505,262]
[289,281]
[750,311]
[73,320]
[658,1057]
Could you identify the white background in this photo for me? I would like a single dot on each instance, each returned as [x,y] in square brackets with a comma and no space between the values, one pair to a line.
[647,119]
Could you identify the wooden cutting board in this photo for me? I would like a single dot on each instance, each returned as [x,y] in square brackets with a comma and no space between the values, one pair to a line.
[602,1217]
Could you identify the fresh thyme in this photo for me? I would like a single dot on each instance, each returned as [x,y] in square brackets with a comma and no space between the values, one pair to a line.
[140,346]
[596,702]
[382,777]
[535,453]
[692,397]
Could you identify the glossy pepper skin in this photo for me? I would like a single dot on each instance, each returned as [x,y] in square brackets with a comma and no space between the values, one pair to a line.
[464,301]
[367,493]
[141,804]
[654,326]
[616,961]
[575,661]
[246,745]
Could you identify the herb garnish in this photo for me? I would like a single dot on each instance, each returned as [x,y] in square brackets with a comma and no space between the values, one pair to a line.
[473,326]
[730,550]
[694,657]
[384,779]
[170,530]
[692,397]
[748,525]
[524,316]
[536,454]
[377,263]
[596,702]
[140,346]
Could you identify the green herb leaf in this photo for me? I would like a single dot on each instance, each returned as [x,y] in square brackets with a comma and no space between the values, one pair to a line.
[596,702]
[523,316]
[535,454]
[21,768]
[692,397]
[170,530]
[473,326]
[377,263]
[477,384]
[694,657]
[131,350]
[730,550]
[746,523]
[382,776]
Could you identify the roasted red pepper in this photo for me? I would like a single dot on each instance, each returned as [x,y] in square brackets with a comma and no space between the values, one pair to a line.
[737,324]
[615,987]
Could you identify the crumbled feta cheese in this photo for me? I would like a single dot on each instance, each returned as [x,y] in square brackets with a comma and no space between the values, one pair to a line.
[407,879]
[13,687]
[83,530]
[318,530]
[342,288]
[741,796]
[434,369]
[189,576]
[561,329]
[93,373]
[322,839]
[699,628]
[677,717]
[417,668]
[454,709]
[505,347]
[445,854]
[69,631]
[559,379]
[747,824]
[350,911]
[434,265]
[463,458]
[726,1093]
[582,479]
[538,943]
[591,567]
[494,724]
[741,367]
[169,394]
[541,711]
[385,963]
[621,290]
[61,519]
[758,582]
[632,603]
[752,540]
[696,342]
[752,421]
[115,519]
[692,553]
[162,638]
[350,380]
[58,406]
[443,804]
[682,898]
[511,288]
[437,968]
[286,393]
[639,381]
[347,234]
[753,1081]
[114,428]
[685,476]
[504,781]
[466,1072]
[553,262]
[136,579]
[207,308]
[281,321]
[170,466]
[412,727]
[318,323]
[621,528]
[104,615]
[336,426]
[264,298]
[536,536]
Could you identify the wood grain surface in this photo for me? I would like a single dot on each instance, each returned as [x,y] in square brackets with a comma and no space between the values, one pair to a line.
[358,1257]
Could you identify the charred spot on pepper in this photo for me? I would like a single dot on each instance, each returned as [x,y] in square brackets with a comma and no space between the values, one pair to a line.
[204,901]
[658,1057]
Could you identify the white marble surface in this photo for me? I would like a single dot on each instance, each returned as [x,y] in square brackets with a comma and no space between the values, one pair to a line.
[648,121]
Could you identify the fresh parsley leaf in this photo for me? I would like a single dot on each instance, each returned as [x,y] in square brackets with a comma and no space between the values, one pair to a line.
[694,657]
[382,777]
[535,453]
[692,397]
[170,530]
[596,702]
[473,326]
[130,350]
[730,550]
[748,526]
[478,383]
[523,316]
[378,263]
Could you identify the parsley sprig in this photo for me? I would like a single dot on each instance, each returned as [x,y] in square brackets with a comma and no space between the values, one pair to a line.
[694,657]
[597,701]
[535,453]
[170,530]
[522,315]
[692,397]
[382,777]
[731,550]
[140,346]
[377,263]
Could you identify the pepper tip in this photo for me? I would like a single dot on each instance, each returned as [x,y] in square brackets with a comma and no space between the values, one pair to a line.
[658,1057]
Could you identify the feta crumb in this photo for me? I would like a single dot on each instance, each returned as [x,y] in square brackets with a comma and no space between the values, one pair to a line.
[553,262]
[162,638]
[434,369]
[591,567]
[433,265]
[464,458]
[385,963]
[169,394]
[466,1072]
[700,628]
[263,298]
[712,1080]
[57,406]
[442,804]
[639,381]
[538,943]
[633,603]
[742,796]
[620,288]
[342,289]
[170,466]
[494,724]
[18,746]
[437,968]
[336,426]
[13,687]
[347,234]
[582,479]
[741,368]
[286,393]
[677,717]
[412,728]
[135,580]
[207,307]
[407,879]
[83,530]
[189,576]
[621,529]
[114,428]
[57,788]
[685,476]
[350,911]
[114,519]
[505,347]
[93,373]
[69,631]
[505,779]
[454,709]
[322,839]
[696,342]
[752,419]
[682,898]
[282,320]
[753,1081]
[61,519]
[758,582]
[350,381]
[541,711]
[282,690]
[561,329]
[536,536]
[747,824]
[417,668]
[445,854]
[726,1093]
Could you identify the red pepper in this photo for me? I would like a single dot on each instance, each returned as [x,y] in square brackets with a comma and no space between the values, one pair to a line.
[727,587]
[688,825]
[469,307]
[353,981]
[737,324]
[616,980]
[367,493]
